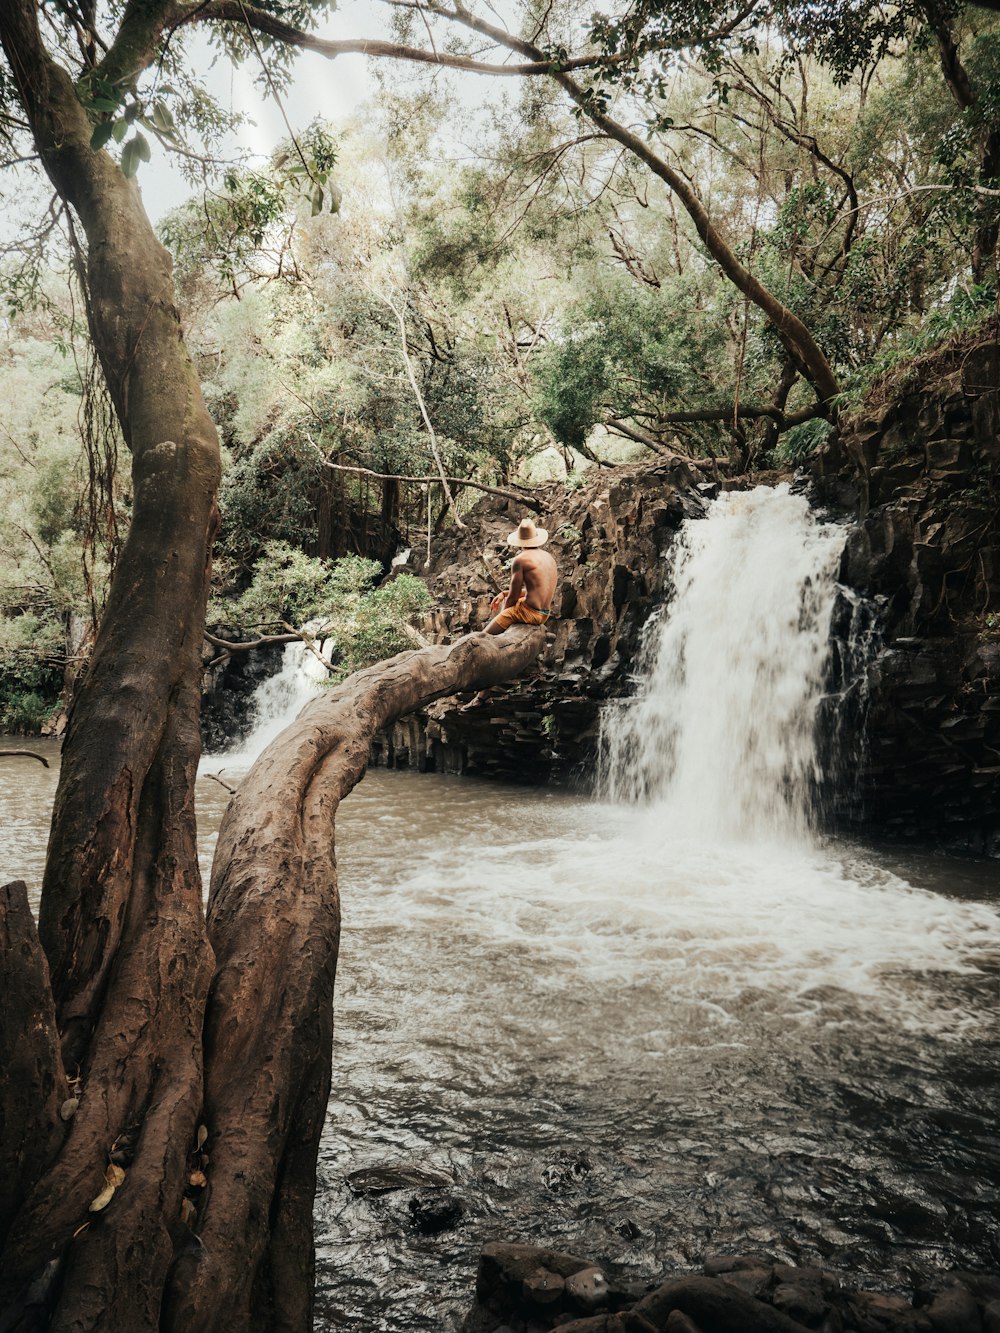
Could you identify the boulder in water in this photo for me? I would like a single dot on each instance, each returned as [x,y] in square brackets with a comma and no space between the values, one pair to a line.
[433,1211]
[386,1179]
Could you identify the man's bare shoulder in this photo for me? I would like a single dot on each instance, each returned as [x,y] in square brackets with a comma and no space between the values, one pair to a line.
[533,559]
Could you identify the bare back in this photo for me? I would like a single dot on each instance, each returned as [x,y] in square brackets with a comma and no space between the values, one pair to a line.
[540,574]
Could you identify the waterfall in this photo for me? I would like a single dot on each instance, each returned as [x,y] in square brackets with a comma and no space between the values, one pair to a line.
[278,700]
[720,736]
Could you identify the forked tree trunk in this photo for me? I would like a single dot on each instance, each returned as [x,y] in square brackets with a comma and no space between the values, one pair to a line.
[274,923]
[120,978]
[241,1258]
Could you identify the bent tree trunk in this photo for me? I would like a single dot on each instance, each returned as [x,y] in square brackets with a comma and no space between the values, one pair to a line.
[239,1255]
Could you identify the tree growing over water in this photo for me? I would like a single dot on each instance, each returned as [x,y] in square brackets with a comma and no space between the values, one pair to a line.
[153,1024]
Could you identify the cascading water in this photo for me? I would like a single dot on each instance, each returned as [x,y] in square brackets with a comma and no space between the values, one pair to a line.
[278,700]
[721,735]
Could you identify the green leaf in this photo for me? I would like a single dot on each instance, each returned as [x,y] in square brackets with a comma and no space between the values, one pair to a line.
[130,158]
[101,134]
[162,118]
[141,146]
[317,200]
[120,129]
[336,198]
[103,104]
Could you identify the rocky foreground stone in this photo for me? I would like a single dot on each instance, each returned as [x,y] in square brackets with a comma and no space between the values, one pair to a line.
[526,1289]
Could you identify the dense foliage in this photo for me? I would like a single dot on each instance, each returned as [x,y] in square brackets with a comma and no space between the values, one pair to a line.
[365,309]
[344,600]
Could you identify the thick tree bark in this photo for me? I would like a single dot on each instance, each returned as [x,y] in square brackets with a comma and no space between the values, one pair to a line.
[94,1210]
[33,1085]
[274,922]
[242,1258]
[121,918]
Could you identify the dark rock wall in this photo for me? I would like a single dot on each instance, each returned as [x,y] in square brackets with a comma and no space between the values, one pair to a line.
[926,552]
[609,539]
[228,686]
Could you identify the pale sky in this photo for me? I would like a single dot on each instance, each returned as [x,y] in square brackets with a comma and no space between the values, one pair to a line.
[331,89]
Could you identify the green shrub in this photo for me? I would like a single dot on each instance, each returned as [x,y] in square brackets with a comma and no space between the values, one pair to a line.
[25,712]
[798,443]
[293,588]
[371,630]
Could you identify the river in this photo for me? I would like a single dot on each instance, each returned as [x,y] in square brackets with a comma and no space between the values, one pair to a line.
[627,1033]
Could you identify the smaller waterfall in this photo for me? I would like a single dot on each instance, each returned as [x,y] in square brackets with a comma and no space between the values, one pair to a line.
[278,700]
[720,737]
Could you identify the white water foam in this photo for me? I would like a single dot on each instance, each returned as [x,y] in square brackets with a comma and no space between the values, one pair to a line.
[684,938]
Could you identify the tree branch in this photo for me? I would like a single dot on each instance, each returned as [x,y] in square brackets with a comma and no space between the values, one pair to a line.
[793,333]
[274,923]
[24,754]
[233,11]
[516,496]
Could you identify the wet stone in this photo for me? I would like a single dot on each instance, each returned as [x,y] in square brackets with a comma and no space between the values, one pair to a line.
[566,1172]
[385,1179]
[754,1281]
[954,1311]
[543,1287]
[717,1264]
[678,1322]
[801,1303]
[588,1288]
[433,1212]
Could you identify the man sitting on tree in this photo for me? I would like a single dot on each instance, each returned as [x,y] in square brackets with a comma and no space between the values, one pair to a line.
[528,600]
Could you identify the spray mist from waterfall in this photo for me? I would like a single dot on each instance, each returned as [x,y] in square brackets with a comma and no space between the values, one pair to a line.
[721,735]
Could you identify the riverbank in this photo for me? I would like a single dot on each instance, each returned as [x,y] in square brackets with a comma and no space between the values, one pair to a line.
[526,1289]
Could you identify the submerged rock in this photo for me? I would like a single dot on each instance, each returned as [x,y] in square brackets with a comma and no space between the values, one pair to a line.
[433,1212]
[527,1289]
[386,1179]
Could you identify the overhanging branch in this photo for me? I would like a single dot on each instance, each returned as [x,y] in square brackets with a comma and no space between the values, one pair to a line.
[233,11]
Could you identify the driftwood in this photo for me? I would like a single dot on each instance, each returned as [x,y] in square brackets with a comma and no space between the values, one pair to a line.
[24,754]
[263,1038]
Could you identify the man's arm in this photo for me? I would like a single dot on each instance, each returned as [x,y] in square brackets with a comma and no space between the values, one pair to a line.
[516,583]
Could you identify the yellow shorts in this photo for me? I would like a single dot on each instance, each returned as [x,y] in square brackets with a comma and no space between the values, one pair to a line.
[524,615]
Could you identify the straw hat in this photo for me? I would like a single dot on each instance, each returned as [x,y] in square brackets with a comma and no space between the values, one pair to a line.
[528,535]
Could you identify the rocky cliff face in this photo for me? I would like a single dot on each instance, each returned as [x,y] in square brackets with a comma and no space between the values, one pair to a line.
[609,539]
[921,576]
[926,552]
